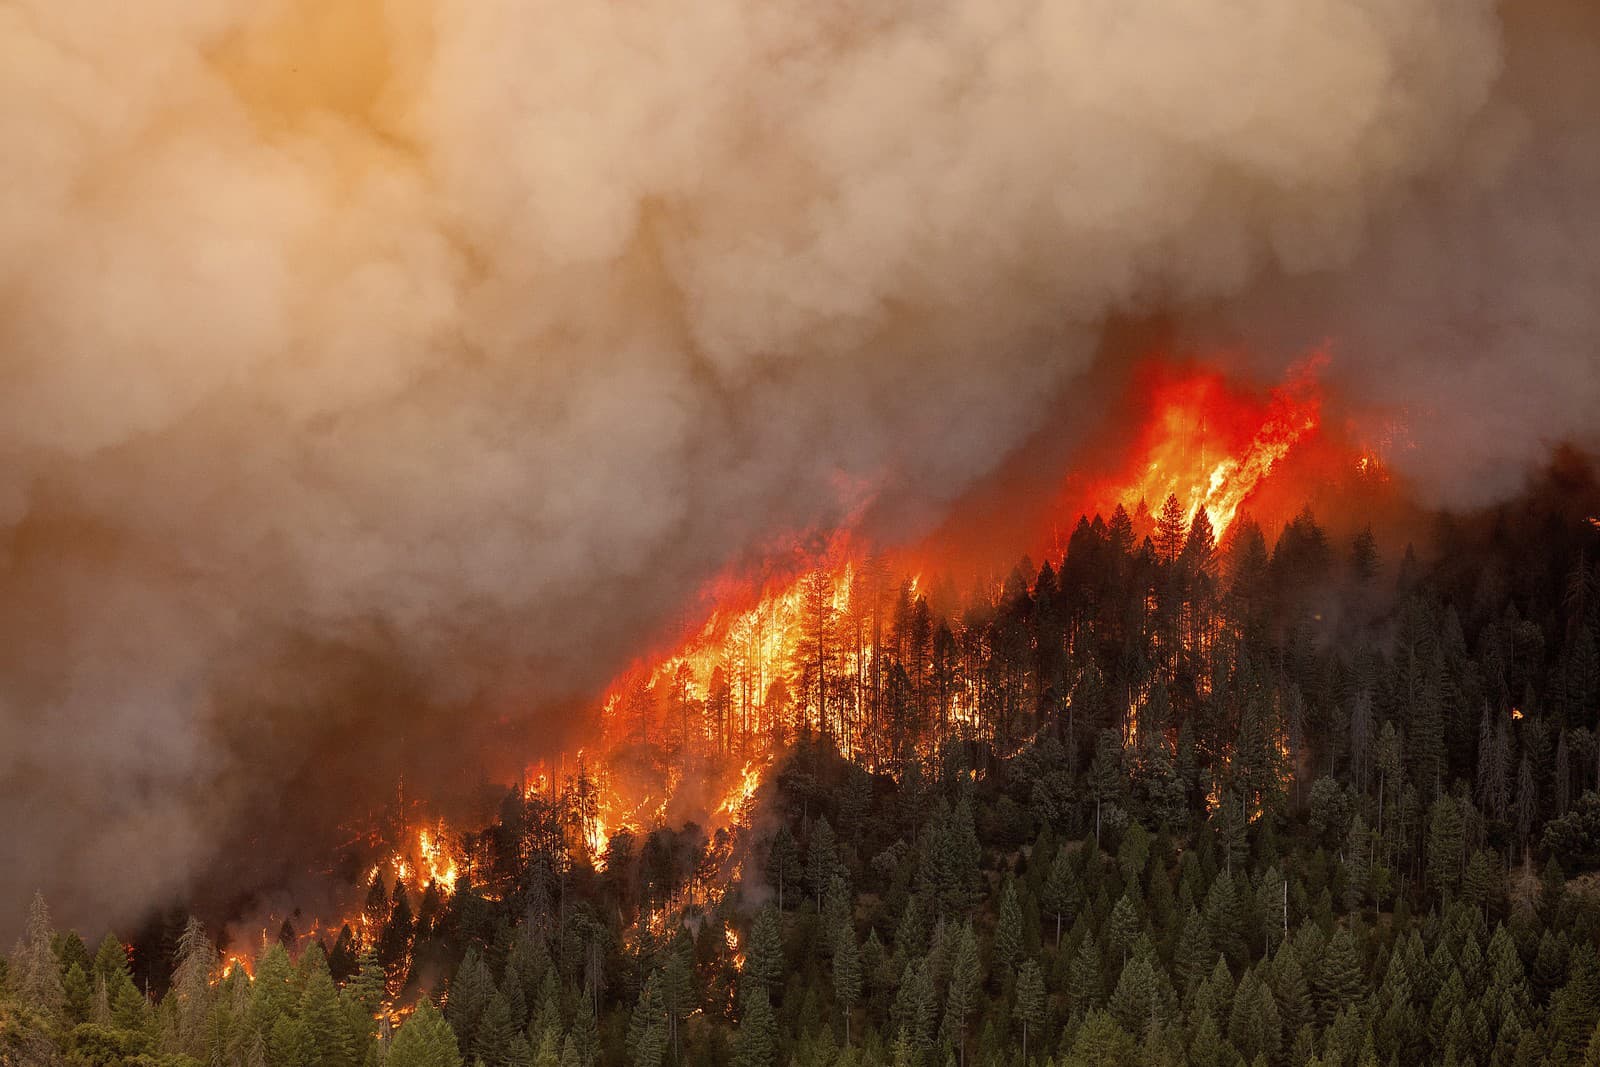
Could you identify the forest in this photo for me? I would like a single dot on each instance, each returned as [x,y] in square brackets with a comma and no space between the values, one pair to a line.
[1160,799]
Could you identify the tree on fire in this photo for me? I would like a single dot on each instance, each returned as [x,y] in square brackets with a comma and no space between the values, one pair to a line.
[1162,800]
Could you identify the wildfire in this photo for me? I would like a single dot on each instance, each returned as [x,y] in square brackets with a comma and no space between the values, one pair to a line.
[440,865]
[1211,444]
[814,646]
[743,792]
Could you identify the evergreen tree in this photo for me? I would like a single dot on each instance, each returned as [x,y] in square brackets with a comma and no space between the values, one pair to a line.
[1100,1042]
[110,961]
[77,996]
[1446,843]
[1339,982]
[783,861]
[35,974]
[1061,894]
[496,1034]
[822,858]
[756,1043]
[1029,1006]
[914,1005]
[1086,986]
[324,1023]
[647,1030]
[678,995]
[1008,929]
[1290,990]
[425,1040]
[1122,928]
[966,976]
[764,962]
[846,974]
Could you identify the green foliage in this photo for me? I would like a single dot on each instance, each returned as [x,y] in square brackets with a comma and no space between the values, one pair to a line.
[764,962]
[425,1040]
[1030,1000]
[756,1043]
[1008,930]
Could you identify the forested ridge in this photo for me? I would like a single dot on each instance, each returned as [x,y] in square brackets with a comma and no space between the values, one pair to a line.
[1312,801]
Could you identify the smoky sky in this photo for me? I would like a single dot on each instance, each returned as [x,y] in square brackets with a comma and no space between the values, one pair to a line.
[372,372]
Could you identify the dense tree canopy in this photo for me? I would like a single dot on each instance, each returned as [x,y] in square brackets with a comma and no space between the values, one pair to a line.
[1161,800]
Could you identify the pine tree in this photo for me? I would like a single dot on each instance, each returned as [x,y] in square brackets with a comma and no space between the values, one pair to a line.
[1029,1006]
[1195,952]
[1086,986]
[678,995]
[195,964]
[1061,894]
[36,975]
[783,860]
[822,858]
[914,1005]
[647,1029]
[495,1036]
[548,1052]
[836,912]
[1446,843]
[1575,1009]
[1170,529]
[908,935]
[1122,928]
[764,962]
[77,996]
[362,997]
[324,1023]
[961,1000]
[1100,1042]
[1254,1026]
[1340,982]
[1136,1002]
[1008,930]
[1290,989]
[846,974]
[272,994]
[756,1043]
[110,961]
[424,1040]
[1207,1046]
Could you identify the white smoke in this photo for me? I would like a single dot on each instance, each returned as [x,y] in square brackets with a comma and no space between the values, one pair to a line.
[466,337]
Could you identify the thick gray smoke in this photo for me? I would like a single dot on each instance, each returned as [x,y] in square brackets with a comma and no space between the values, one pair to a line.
[1470,319]
[408,361]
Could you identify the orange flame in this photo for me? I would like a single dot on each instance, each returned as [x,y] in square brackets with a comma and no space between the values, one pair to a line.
[1211,444]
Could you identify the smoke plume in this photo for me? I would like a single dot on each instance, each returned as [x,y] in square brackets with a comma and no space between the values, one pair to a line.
[373,370]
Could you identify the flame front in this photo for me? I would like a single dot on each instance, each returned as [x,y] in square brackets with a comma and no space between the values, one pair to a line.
[1211,445]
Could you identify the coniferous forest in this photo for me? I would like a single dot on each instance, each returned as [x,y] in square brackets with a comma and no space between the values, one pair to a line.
[1321,799]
